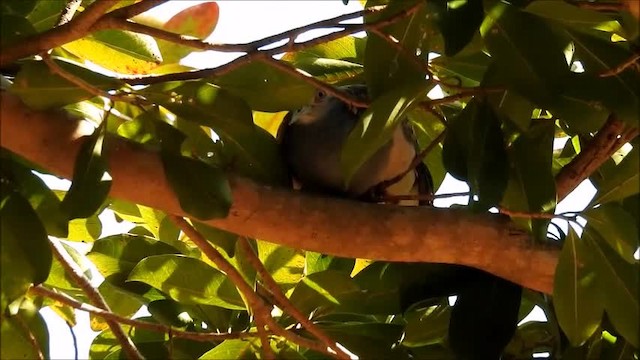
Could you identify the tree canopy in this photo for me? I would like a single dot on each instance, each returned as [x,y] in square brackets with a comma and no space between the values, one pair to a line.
[232,263]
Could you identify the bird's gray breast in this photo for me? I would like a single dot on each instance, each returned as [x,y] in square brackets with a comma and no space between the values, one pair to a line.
[313,150]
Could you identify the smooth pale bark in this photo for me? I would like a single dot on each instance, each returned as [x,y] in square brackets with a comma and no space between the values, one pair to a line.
[328,225]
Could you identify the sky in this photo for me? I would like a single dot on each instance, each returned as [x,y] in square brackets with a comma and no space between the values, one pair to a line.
[245,21]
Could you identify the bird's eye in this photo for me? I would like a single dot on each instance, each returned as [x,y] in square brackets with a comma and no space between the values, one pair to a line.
[320,95]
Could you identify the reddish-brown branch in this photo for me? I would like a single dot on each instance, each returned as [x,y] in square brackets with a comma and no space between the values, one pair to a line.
[289,218]
[70,267]
[280,299]
[622,67]
[607,141]
[72,30]
[261,311]
[33,341]
[196,336]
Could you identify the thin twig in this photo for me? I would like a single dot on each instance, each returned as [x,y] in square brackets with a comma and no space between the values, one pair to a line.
[265,344]
[256,303]
[622,67]
[598,6]
[68,12]
[94,296]
[345,97]
[420,65]
[196,336]
[416,161]
[257,54]
[30,336]
[127,12]
[281,300]
[461,95]
[599,150]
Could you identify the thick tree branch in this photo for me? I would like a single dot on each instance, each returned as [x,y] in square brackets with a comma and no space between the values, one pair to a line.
[370,231]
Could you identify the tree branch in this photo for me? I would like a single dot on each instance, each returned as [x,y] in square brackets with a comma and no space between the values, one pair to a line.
[455,236]
[70,267]
[607,141]
[191,335]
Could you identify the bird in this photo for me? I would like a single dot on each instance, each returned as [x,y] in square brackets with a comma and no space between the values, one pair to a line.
[312,139]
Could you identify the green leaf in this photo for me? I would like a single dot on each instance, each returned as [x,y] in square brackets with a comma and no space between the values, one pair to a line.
[46,14]
[42,199]
[570,15]
[484,318]
[152,345]
[367,340]
[426,326]
[285,264]
[516,51]
[120,51]
[24,247]
[577,304]
[17,331]
[474,151]
[617,227]
[316,262]
[14,28]
[324,289]
[469,69]
[377,125]
[120,253]
[232,349]
[384,65]
[18,7]
[119,302]
[91,180]
[622,182]
[250,149]
[617,280]
[531,186]
[40,89]
[197,20]
[85,230]
[266,88]
[188,280]
[220,238]
[58,276]
[203,191]
[458,22]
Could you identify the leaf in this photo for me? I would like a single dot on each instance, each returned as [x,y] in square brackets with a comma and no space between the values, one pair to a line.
[16,332]
[198,21]
[202,191]
[531,186]
[334,62]
[91,180]
[622,182]
[285,264]
[616,227]
[484,318]
[577,306]
[24,250]
[232,349]
[469,69]
[14,29]
[120,253]
[40,89]
[474,151]
[426,326]
[458,22]
[188,280]
[385,67]
[152,345]
[618,281]
[367,340]
[516,51]
[220,238]
[58,276]
[46,14]
[119,302]
[573,16]
[376,126]
[253,152]
[266,88]
[323,289]
[120,51]
[20,7]
[42,199]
